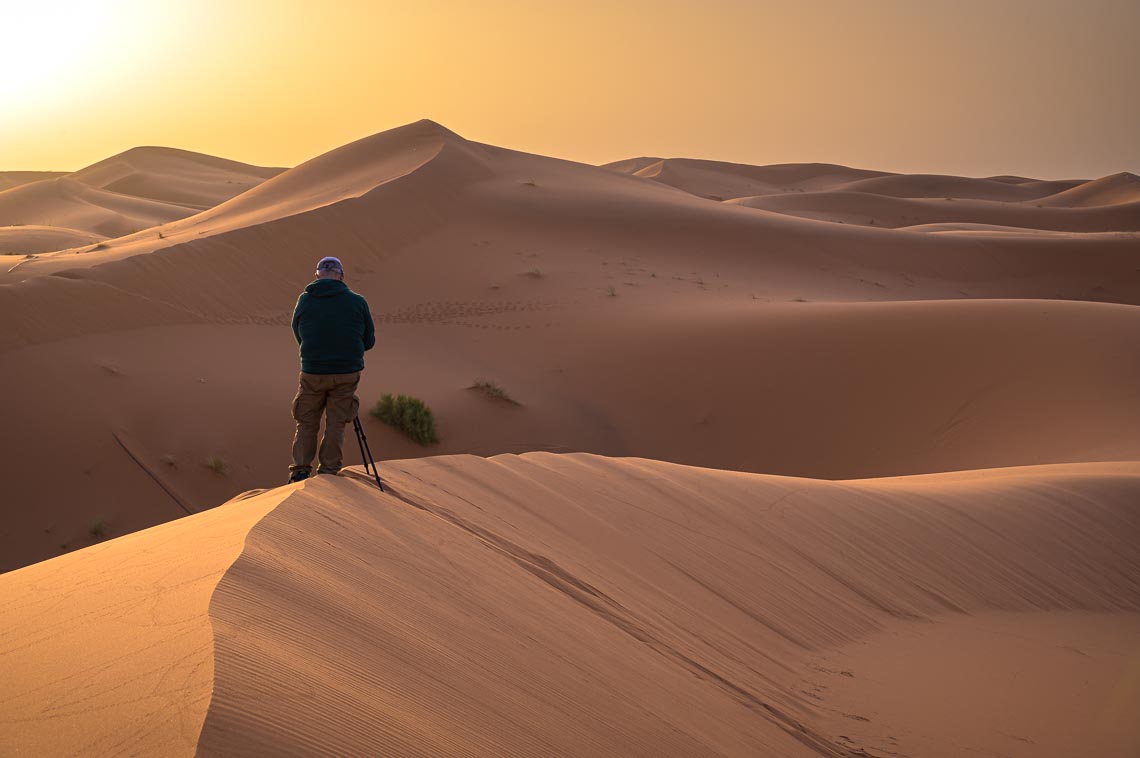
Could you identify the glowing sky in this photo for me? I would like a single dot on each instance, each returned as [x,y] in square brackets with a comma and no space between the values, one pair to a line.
[1034,87]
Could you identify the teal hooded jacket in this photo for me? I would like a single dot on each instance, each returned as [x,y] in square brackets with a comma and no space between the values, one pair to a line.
[334,327]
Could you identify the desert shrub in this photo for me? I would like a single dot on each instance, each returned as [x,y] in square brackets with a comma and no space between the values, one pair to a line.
[493,390]
[99,529]
[217,463]
[408,414]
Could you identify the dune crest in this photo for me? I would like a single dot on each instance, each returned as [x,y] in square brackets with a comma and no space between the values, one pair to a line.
[571,604]
[109,650]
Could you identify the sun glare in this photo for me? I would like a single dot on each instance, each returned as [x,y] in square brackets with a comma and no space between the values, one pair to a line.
[49,47]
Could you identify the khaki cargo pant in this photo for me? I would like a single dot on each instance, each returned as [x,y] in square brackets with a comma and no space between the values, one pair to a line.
[335,396]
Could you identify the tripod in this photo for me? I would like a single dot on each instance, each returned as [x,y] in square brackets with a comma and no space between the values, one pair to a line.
[365,451]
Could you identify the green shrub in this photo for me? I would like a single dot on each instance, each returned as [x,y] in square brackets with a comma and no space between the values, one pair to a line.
[99,529]
[493,391]
[408,414]
[217,463]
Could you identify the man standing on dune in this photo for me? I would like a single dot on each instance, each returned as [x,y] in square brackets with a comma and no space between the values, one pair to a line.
[334,327]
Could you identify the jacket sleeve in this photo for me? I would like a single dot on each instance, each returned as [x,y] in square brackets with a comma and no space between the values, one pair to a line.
[297,318]
[369,337]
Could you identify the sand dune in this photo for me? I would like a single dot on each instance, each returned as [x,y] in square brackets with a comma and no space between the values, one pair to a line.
[31,239]
[958,187]
[67,203]
[174,176]
[573,604]
[718,180]
[577,288]
[1116,189]
[126,193]
[109,651]
[812,389]
[891,212]
[10,179]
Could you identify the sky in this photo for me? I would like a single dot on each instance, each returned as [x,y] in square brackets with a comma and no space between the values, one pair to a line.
[1043,88]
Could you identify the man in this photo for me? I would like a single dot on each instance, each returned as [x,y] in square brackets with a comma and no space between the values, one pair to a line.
[334,327]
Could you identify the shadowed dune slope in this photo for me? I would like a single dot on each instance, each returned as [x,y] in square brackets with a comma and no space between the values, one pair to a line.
[881,210]
[572,604]
[1116,189]
[718,180]
[826,390]
[935,185]
[31,239]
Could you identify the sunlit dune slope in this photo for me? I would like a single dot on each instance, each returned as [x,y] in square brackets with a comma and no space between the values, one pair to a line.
[109,650]
[70,204]
[575,604]
[135,190]
[174,176]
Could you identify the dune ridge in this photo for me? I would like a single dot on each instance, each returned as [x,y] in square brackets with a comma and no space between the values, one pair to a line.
[573,603]
[109,650]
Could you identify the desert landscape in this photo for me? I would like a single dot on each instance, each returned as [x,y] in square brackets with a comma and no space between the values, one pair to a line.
[750,379]
[792,459]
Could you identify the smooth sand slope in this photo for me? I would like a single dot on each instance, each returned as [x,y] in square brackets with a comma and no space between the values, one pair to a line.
[627,317]
[139,189]
[10,179]
[109,651]
[575,604]
[900,388]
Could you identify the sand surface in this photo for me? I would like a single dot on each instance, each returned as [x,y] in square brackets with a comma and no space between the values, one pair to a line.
[576,604]
[799,459]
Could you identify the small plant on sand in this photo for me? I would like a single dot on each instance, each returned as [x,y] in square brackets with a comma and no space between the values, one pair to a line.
[611,291]
[530,183]
[408,414]
[493,391]
[99,529]
[535,272]
[217,464]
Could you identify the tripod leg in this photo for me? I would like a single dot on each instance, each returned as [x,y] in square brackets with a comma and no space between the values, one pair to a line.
[362,438]
[356,428]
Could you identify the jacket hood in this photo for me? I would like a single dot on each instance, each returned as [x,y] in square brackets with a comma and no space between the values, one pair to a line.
[326,288]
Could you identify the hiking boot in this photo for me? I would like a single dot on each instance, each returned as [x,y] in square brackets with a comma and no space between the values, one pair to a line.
[299,475]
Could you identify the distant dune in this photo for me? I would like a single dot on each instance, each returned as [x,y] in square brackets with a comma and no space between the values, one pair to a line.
[1117,189]
[42,239]
[135,190]
[574,604]
[10,179]
[174,176]
[794,346]
[880,210]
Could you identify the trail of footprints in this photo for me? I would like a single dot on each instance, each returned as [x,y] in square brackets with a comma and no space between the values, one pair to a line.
[461,313]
